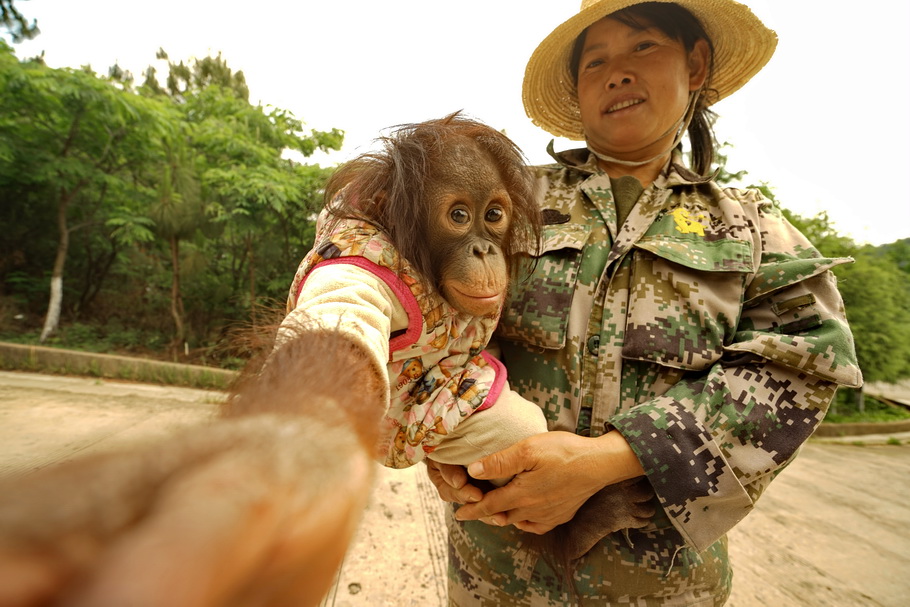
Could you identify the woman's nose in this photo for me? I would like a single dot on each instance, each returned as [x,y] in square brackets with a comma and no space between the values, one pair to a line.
[612,83]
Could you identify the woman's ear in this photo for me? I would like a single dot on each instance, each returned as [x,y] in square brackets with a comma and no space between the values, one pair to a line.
[699,59]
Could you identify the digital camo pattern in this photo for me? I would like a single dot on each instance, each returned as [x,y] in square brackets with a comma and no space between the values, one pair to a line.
[706,330]
[488,567]
[438,377]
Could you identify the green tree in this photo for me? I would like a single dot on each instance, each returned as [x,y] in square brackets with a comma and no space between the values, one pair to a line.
[178,213]
[16,23]
[899,253]
[249,186]
[71,138]
[877,298]
[177,200]
[822,233]
[186,79]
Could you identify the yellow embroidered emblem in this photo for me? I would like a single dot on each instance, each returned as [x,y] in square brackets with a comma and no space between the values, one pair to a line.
[686,223]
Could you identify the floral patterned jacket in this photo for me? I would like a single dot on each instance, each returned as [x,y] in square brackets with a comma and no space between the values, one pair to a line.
[438,371]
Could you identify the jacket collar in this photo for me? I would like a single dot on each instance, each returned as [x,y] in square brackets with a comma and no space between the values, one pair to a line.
[675,173]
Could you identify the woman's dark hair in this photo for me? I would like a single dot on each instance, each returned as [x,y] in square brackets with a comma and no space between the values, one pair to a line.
[682,26]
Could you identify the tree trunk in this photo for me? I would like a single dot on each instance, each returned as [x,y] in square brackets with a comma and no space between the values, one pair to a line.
[52,320]
[176,299]
[860,400]
[95,276]
[252,278]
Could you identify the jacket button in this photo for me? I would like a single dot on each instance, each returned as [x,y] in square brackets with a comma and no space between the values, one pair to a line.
[593,344]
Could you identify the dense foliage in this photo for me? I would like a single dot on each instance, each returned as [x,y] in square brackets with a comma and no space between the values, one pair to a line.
[161,213]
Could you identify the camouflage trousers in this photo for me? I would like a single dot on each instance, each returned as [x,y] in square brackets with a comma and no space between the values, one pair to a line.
[488,568]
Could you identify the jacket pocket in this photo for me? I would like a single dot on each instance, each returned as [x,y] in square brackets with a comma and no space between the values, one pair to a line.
[685,299]
[537,312]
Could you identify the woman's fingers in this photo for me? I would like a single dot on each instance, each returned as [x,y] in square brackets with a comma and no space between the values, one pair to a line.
[502,464]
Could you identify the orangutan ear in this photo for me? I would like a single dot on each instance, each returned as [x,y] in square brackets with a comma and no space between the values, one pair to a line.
[699,59]
[370,207]
[376,204]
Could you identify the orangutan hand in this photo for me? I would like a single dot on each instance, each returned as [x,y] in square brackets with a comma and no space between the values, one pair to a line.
[451,482]
[248,511]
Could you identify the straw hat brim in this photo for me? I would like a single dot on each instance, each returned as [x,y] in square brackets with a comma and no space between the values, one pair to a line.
[742,47]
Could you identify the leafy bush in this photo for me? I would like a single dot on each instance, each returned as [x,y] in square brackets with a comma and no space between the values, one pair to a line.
[846,411]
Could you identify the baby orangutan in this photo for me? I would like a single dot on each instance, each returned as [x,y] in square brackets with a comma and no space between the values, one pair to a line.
[413,256]
[381,355]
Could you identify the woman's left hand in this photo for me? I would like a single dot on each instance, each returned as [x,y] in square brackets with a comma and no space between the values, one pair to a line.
[555,473]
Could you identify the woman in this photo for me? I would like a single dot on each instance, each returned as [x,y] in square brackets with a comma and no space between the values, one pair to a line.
[672,328]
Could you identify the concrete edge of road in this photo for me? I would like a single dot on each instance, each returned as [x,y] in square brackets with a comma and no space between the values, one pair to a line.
[40,359]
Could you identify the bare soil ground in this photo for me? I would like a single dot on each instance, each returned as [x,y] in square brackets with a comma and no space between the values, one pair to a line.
[832,530]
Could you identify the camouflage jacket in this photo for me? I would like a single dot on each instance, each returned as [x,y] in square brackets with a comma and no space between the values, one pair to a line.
[438,373]
[706,330]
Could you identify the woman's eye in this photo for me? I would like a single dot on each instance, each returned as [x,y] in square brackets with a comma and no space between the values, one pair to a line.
[643,46]
[494,215]
[460,216]
[594,63]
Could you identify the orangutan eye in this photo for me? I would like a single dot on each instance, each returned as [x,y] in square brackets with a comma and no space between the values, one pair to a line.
[494,215]
[460,216]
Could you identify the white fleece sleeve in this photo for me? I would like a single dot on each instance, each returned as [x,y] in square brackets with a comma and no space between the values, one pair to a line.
[353,300]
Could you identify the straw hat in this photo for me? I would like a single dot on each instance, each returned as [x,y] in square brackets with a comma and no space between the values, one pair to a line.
[742,46]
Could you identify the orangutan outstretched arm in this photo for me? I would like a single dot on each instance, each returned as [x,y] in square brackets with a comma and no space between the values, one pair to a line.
[227,513]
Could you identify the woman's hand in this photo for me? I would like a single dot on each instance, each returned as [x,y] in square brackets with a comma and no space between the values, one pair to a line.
[555,473]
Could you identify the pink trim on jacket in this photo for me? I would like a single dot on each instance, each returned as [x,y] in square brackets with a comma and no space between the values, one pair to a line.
[498,383]
[399,288]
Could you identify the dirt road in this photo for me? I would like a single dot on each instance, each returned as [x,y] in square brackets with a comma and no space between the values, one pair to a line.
[832,530]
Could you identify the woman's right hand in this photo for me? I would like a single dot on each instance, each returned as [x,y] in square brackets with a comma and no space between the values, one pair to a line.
[451,482]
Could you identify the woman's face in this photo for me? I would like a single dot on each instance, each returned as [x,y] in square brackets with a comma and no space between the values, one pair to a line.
[633,86]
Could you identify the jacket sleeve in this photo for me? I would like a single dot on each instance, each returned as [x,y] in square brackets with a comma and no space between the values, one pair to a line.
[353,301]
[420,411]
[713,442]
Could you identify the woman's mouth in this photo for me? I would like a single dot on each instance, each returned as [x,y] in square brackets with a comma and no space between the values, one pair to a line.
[623,105]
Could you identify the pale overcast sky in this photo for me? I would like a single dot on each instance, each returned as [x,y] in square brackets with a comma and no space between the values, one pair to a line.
[827,123]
